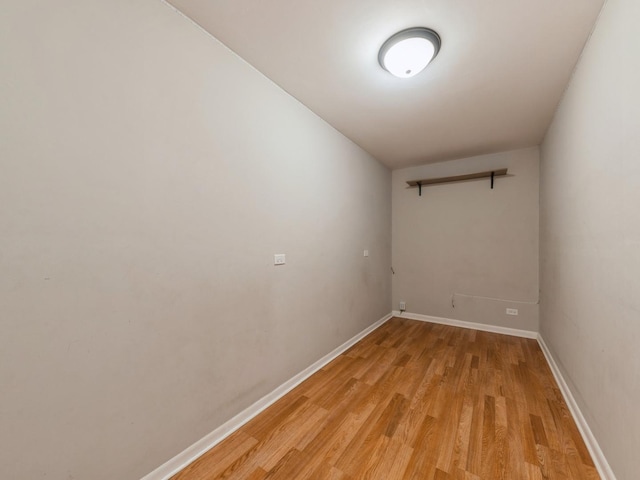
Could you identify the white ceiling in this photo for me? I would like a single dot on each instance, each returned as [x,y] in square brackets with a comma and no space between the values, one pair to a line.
[494,85]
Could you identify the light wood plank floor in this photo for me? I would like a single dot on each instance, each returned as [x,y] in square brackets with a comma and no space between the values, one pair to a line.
[413,400]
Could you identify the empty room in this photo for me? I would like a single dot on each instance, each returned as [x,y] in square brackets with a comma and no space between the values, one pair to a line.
[342,240]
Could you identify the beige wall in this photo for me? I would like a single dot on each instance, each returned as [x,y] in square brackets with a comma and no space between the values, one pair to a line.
[590,236]
[147,177]
[464,239]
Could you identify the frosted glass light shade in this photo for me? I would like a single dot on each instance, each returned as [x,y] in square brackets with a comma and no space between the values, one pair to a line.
[408,52]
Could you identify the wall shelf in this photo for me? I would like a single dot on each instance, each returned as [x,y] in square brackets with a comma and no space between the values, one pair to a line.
[457,178]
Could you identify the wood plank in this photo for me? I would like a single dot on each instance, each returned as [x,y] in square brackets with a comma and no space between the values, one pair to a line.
[458,178]
[413,400]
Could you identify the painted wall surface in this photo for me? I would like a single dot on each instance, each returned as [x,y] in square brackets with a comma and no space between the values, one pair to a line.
[147,177]
[590,236]
[466,252]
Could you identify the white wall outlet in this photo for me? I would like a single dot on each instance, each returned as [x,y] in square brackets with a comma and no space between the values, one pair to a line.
[279,259]
[403,306]
[512,311]
[366,253]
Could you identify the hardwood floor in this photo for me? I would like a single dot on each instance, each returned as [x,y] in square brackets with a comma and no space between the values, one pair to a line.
[413,400]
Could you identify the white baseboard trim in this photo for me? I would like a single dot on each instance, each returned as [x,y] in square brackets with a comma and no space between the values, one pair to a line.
[184,458]
[589,439]
[463,324]
[603,467]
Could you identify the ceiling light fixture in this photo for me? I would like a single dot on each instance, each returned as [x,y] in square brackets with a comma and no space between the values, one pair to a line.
[408,52]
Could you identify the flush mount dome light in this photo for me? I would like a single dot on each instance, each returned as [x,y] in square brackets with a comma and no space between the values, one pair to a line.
[408,52]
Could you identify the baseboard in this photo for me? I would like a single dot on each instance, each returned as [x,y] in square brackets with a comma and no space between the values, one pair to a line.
[592,445]
[589,439]
[474,326]
[184,458]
